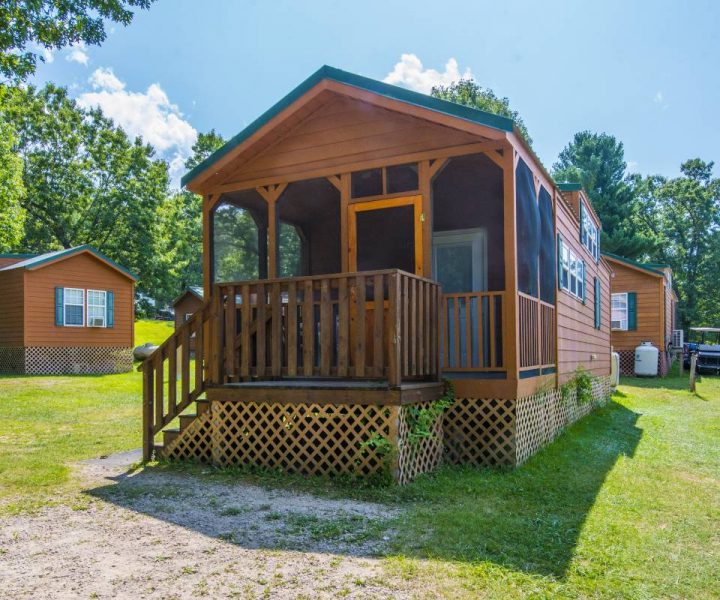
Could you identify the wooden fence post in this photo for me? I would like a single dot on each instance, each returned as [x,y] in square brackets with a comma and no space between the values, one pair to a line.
[693,371]
[148,421]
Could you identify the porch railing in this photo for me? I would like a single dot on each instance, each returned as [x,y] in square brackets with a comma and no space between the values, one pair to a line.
[537,332]
[472,337]
[172,380]
[381,324]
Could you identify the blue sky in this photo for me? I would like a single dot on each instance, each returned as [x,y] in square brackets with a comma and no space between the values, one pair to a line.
[645,72]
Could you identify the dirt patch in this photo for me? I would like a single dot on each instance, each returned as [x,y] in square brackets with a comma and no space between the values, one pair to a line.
[159,535]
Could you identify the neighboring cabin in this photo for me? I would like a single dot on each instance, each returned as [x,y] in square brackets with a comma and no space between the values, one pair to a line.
[69,311]
[643,310]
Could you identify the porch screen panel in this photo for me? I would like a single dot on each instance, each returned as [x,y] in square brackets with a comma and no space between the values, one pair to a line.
[528,230]
[548,272]
[386,239]
[236,252]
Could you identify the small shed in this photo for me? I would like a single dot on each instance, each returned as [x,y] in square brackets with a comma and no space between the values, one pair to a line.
[643,310]
[69,311]
[185,306]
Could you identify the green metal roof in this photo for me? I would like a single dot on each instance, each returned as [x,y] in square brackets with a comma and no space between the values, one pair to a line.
[453,109]
[650,267]
[569,187]
[36,260]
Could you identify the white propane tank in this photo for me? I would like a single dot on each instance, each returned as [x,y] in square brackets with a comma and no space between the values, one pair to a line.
[646,360]
[615,370]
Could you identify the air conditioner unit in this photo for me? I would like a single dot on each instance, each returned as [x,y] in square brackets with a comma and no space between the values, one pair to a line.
[677,338]
[96,322]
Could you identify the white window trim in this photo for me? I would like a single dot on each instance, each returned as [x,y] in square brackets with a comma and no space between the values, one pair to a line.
[66,303]
[478,238]
[573,273]
[104,305]
[588,226]
[626,320]
[188,316]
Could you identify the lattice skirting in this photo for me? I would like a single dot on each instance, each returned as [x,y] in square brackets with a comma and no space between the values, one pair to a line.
[310,439]
[627,363]
[64,360]
[493,432]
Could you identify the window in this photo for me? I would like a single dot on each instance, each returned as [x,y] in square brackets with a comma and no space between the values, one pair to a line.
[589,233]
[74,307]
[572,271]
[620,312]
[97,308]
[460,260]
[188,316]
[385,180]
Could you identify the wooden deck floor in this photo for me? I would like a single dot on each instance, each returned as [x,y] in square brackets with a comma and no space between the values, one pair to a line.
[332,391]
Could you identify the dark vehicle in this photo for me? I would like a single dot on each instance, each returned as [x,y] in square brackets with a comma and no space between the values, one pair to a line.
[165,315]
[705,341]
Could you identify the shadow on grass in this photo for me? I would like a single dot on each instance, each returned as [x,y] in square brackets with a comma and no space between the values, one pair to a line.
[527,519]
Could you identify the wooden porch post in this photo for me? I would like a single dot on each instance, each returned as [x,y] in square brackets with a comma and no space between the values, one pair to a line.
[208,234]
[271,194]
[511,328]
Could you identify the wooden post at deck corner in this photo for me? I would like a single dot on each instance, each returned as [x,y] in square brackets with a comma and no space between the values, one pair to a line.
[271,194]
[511,329]
[207,245]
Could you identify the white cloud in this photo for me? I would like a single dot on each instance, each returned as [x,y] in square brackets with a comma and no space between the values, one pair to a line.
[149,114]
[410,73]
[77,54]
[658,98]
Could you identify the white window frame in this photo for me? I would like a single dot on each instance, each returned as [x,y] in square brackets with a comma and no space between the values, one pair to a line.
[188,316]
[591,233]
[66,304]
[623,322]
[104,306]
[477,238]
[572,268]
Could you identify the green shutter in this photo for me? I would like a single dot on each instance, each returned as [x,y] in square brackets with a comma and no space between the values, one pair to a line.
[632,311]
[59,299]
[582,222]
[110,299]
[584,279]
[597,304]
[559,261]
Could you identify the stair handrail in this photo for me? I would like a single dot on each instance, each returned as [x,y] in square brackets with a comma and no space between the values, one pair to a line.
[157,414]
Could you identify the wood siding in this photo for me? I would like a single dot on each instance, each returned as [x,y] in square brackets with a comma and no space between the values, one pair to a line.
[78,271]
[580,344]
[11,308]
[345,131]
[650,307]
[188,303]
[7,261]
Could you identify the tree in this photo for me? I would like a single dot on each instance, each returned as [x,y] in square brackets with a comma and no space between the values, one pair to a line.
[180,222]
[26,27]
[688,217]
[12,215]
[597,161]
[469,93]
[86,182]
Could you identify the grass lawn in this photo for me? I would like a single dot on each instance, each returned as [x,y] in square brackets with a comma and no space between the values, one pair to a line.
[50,422]
[624,504]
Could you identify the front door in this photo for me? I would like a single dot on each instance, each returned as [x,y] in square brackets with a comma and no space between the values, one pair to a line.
[386,234]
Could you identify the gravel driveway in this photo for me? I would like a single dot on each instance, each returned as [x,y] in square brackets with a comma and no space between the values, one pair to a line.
[157,535]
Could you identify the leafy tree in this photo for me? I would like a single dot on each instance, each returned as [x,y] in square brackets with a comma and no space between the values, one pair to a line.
[86,182]
[12,215]
[180,222]
[53,24]
[469,93]
[597,161]
[687,219]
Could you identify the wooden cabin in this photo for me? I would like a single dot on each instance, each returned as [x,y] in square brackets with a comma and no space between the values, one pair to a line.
[363,243]
[643,310]
[185,306]
[65,312]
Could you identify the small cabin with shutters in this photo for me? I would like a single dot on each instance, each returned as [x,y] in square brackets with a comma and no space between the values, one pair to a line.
[364,248]
[643,310]
[65,312]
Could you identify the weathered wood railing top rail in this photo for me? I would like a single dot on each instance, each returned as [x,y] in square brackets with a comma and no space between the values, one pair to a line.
[329,326]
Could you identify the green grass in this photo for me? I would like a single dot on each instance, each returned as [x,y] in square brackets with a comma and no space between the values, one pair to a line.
[50,422]
[625,504]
